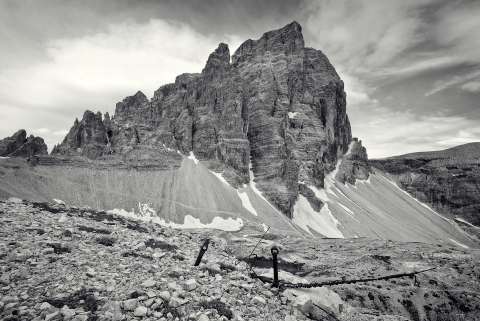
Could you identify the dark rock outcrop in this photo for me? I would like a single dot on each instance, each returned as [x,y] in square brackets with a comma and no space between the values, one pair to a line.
[354,164]
[275,106]
[448,180]
[19,145]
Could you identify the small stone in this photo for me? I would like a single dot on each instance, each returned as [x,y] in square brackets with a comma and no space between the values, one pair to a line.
[5,279]
[203,317]
[51,315]
[91,272]
[176,302]
[148,302]
[165,295]
[45,306]
[149,283]
[81,317]
[259,300]
[67,313]
[190,284]
[140,311]
[151,294]
[173,286]
[130,305]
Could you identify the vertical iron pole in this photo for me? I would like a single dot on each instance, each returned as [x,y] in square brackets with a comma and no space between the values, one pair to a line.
[274,251]
[203,249]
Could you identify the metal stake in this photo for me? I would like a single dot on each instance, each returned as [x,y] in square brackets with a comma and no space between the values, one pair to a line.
[275,251]
[203,249]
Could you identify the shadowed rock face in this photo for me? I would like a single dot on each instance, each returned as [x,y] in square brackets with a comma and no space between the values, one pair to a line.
[275,106]
[20,146]
[449,180]
[354,164]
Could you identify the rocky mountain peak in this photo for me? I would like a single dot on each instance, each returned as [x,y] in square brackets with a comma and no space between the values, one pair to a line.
[278,109]
[288,39]
[218,61]
[130,105]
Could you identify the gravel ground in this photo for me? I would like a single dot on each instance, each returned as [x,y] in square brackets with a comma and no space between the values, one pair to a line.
[68,263]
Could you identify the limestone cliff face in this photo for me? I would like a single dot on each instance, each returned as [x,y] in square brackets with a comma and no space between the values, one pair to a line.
[448,180]
[19,145]
[274,106]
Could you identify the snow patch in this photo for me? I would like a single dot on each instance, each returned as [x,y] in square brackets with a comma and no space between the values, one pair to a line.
[146,213]
[59,202]
[292,115]
[192,157]
[322,222]
[242,195]
[220,177]
[265,227]
[348,211]
[459,219]
[4,157]
[246,202]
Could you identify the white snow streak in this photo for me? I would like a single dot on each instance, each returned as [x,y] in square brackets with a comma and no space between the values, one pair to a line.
[465,222]
[192,157]
[221,178]
[246,202]
[458,243]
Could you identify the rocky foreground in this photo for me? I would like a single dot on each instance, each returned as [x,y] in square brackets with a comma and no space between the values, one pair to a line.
[66,263]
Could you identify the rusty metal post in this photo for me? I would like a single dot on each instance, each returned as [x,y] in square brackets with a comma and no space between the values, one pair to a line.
[203,249]
[275,251]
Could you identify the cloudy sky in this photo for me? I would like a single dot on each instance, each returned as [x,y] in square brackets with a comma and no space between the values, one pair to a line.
[411,67]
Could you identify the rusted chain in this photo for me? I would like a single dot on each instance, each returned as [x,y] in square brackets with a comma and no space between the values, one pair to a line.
[287,285]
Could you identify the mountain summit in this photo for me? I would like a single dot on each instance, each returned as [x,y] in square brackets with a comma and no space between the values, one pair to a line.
[275,107]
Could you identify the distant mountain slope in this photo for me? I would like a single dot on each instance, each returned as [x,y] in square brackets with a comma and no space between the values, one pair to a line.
[469,151]
[193,196]
[448,180]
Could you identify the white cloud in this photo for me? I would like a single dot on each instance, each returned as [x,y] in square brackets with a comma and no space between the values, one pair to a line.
[386,132]
[97,70]
[472,86]
[453,81]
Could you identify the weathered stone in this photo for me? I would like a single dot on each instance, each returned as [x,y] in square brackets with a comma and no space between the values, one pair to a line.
[130,304]
[165,295]
[148,283]
[140,311]
[190,284]
[258,300]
